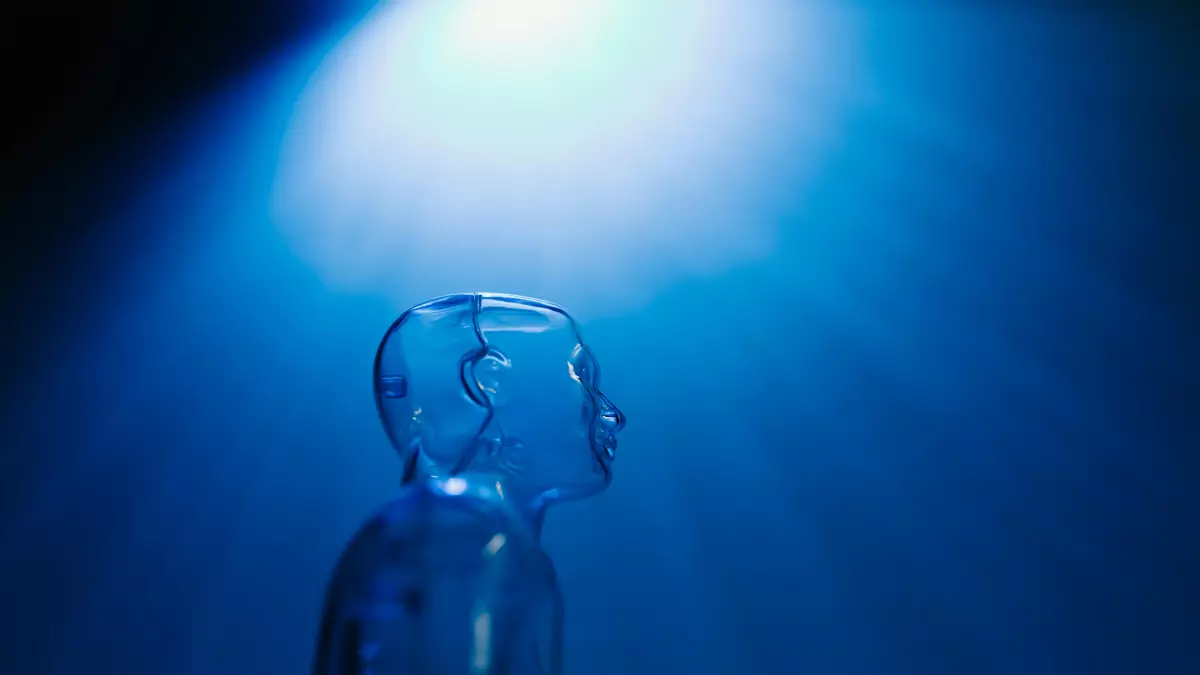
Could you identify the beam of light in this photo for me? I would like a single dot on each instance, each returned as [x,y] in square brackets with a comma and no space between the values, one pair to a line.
[481,648]
[556,147]
[522,35]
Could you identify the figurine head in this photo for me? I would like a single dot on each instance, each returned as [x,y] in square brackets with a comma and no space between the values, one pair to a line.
[500,385]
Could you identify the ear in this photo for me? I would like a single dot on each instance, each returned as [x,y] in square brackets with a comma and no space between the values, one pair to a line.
[488,373]
[481,373]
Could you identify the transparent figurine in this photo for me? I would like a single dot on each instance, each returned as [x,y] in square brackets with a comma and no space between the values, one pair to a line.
[493,403]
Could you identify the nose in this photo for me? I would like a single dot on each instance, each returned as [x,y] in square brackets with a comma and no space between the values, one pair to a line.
[611,418]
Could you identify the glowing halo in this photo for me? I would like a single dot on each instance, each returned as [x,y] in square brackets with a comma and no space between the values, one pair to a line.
[549,146]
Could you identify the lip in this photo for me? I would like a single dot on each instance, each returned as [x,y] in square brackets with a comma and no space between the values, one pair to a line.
[607,441]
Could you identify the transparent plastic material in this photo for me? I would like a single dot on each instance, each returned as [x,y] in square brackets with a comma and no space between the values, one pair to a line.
[442,581]
[498,384]
[493,403]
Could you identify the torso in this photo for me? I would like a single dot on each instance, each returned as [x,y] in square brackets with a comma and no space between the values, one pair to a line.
[442,583]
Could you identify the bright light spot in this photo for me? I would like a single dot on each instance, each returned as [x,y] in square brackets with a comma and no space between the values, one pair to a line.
[494,545]
[520,34]
[590,151]
[455,486]
[481,651]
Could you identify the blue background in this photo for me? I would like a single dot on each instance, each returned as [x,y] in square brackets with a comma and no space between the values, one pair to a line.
[945,425]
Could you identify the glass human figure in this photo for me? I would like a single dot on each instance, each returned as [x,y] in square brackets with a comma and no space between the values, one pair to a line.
[493,403]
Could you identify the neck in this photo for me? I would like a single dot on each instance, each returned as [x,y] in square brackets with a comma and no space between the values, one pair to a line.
[528,507]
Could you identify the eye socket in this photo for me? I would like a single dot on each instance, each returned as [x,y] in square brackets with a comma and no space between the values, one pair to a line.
[582,366]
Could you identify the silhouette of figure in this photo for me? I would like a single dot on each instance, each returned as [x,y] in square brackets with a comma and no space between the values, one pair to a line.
[493,403]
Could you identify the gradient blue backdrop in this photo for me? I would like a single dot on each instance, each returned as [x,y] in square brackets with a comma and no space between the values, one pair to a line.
[942,425]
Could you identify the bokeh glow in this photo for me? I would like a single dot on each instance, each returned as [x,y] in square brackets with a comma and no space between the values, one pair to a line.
[553,144]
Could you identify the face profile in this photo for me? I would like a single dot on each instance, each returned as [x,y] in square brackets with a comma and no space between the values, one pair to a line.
[499,385]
